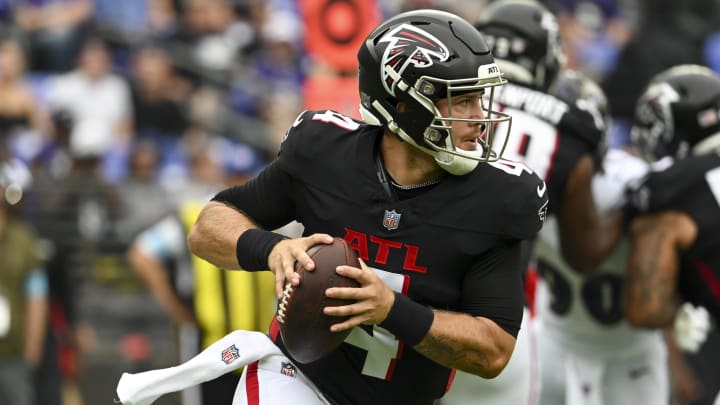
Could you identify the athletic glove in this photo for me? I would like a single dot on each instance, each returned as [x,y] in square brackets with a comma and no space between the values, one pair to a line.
[692,325]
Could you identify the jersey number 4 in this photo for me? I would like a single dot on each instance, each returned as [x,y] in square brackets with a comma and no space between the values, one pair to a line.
[382,347]
[336,118]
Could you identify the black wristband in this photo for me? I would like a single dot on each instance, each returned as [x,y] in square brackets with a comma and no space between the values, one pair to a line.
[253,248]
[408,320]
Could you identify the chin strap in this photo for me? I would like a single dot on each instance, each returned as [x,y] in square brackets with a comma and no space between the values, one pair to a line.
[454,164]
[458,163]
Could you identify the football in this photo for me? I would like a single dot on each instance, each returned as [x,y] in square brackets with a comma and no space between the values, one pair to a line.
[305,329]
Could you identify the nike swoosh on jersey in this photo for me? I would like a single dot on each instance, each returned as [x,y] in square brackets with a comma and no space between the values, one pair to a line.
[541,189]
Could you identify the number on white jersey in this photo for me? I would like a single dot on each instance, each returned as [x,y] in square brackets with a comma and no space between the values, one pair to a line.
[601,294]
[531,140]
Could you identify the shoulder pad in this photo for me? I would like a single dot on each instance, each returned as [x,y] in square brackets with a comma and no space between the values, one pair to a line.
[504,198]
[321,146]
[683,180]
[584,124]
[315,135]
[527,198]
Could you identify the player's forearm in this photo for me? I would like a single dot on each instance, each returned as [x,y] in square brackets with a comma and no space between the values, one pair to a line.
[214,235]
[651,300]
[586,237]
[35,329]
[650,297]
[588,242]
[472,344]
[654,314]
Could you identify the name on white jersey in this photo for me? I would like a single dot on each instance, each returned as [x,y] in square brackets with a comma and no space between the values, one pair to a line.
[534,102]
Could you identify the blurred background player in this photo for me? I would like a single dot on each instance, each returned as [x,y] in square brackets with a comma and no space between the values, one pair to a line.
[588,353]
[559,141]
[674,257]
[562,142]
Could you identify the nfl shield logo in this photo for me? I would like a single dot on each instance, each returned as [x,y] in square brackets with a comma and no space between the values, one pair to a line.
[288,369]
[391,220]
[230,354]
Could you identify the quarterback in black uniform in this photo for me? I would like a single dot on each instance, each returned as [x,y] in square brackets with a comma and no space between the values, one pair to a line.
[558,125]
[675,255]
[436,215]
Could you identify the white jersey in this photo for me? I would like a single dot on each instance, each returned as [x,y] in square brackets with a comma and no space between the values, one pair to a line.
[586,312]
[588,352]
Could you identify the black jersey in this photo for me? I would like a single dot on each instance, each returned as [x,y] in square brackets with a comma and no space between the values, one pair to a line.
[691,186]
[547,133]
[439,247]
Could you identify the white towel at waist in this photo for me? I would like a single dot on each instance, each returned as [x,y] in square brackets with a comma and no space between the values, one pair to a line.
[235,350]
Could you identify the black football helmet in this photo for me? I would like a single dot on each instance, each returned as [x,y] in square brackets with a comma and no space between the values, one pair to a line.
[418,58]
[678,114]
[576,88]
[524,37]
[592,114]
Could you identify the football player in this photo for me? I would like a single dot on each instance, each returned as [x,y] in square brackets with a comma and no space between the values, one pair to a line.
[437,216]
[561,141]
[588,352]
[675,255]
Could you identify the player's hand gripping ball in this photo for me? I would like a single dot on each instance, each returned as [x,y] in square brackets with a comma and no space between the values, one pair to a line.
[305,329]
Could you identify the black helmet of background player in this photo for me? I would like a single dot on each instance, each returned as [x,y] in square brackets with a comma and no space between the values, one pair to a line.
[524,37]
[592,116]
[678,114]
[414,60]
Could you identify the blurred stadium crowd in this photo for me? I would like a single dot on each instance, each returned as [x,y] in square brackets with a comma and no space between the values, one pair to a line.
[113,111]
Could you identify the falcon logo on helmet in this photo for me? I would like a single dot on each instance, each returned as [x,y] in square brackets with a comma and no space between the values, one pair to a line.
[408,45]
[654,124]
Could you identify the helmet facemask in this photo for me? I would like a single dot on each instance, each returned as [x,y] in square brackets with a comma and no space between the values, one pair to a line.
[439,135]
[437,138]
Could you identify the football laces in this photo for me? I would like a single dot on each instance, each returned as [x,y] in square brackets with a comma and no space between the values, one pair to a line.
[282,305]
